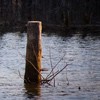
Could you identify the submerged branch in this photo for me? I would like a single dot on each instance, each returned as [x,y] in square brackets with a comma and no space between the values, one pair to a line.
[51,75]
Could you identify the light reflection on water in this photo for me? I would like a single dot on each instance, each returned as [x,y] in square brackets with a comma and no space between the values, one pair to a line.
[82,55]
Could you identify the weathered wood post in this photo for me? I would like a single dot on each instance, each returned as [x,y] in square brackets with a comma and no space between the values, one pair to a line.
[33,52]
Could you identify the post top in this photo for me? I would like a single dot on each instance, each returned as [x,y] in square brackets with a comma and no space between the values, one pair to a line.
[34,22]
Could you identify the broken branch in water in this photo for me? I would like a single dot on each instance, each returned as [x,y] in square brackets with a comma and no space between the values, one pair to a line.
[52,74]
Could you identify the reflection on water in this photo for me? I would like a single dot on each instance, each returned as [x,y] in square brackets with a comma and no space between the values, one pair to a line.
[83,72]
[33,90]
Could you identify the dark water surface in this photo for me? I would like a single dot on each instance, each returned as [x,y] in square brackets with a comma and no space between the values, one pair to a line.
[82,73]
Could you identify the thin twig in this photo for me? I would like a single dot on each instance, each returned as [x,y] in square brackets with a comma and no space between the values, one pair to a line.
[58,72]
[35,68]
[21,76]
[32,65]
[45,82]
[53,75]
[56,65]
[51,64]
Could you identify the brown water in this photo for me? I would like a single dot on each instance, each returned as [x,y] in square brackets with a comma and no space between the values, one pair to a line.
[82,73]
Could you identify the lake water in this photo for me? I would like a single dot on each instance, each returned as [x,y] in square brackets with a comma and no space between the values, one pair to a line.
[79,81]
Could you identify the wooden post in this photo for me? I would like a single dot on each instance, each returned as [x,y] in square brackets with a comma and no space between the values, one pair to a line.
[33,52]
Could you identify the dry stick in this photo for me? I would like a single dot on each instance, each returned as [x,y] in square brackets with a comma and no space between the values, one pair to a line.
[46,81]
[58,72]
[35,68]
[56,65]
[32,65]
[43,79]
[16,73]
[53,75]
[20,75]
[51,64]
